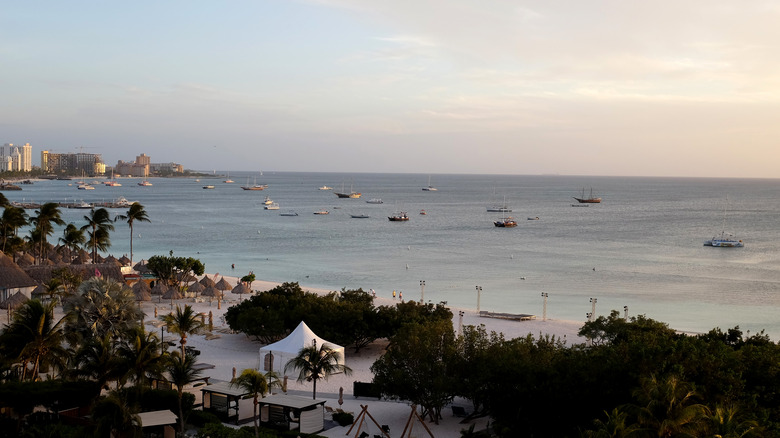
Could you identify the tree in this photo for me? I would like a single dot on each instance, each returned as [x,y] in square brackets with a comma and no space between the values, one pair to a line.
[181,372]
[616,425]
[13,218]
[184,322]
[33,337]
[668,407]
[416,367]
[141,352]
[72,238]
[43,223]
[97,360]
[99,224]
[174,270]
[135,213]
[254,383]
[101,307]
[249,279]
[115,417]
[315,364]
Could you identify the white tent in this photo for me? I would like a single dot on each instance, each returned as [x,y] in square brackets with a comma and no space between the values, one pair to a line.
[275,356]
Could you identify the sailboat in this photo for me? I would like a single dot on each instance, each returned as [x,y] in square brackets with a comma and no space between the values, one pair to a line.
[352,194]
[725,240]
[113,182]
[256,186]
[430,188]
[228,180]
[145,182]
[589,200]
[503,208]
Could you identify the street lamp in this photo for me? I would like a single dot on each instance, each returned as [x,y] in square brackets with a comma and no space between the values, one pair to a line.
[422,291]
[544,311]
[593,310]
[460,322]
[625,313]
[479,296]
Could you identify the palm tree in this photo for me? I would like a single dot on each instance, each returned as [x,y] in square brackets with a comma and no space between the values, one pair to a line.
[12,219]
[114,416]
[668,407]
[316,364]
[101,307]
[44,220]
[97,360]
[727,421]
[181,373]
[35,338]
[184,322]
[99,223]
[256,384]
[615,426]
[135,213]
[142,354]
[72,238]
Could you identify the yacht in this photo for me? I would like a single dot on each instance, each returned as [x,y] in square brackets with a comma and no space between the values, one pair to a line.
[272,206]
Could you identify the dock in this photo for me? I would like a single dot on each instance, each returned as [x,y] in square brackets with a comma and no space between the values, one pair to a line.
[512,316]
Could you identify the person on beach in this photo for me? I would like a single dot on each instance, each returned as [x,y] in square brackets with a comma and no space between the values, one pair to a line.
[393,293]
[401,295]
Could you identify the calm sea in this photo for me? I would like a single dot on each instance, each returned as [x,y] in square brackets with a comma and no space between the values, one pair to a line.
[641,247]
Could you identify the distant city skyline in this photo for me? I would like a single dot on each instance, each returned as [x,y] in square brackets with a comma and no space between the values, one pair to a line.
[573,88]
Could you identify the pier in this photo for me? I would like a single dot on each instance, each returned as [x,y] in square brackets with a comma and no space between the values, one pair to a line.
[512,316]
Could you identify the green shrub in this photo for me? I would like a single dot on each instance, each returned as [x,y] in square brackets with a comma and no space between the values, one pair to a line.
[201,418]
[343,418]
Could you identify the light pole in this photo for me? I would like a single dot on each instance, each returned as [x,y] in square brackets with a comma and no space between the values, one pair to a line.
[625,313]
[422,291]
[593,310]
[479,296]
[544,311]
[460,322]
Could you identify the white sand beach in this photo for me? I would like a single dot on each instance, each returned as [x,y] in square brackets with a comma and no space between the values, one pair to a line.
[227,351]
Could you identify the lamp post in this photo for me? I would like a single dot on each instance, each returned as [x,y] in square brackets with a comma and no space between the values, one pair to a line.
[593,310]
[422,291]
[479,296]
[460,322]
[625,313]
[544,309]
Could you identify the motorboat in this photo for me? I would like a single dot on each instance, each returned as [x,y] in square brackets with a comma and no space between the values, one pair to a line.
[322,212]
[267,201]
[145,183]
[375,201]
[506,222]
[288,213]
[535,218]
[272,206]
[587,200]
[208,187]
[423,212]
[399,217]
[326,188]
[112,182]
[83,205]
[359,216]
[85,187]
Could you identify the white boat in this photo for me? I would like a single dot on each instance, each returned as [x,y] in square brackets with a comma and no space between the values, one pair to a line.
[208,187]
[374,201]
[725,240]
[272,206]
[228,180]
[503,208]
[322,212]
[326,188]
[430,188]
[145,182]
[268,201]
[85,187]
[113,182]
[83,205]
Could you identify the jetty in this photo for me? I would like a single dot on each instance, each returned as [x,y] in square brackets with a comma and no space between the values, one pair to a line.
[512,316]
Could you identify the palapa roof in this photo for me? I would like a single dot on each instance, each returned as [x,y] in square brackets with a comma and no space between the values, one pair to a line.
[141,266]
[142,295]
[25,260]
[14,301]
[211,291]
[159,288]
[124,260]
[241,288]
[223,284]
[196,287]
[206,281]
[141,286]
[111,259]
[40,290]
[42,274]
[12,276]
[172,294]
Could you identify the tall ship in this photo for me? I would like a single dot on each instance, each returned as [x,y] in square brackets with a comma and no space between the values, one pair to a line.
[352,194]
[255,186]
[589,200]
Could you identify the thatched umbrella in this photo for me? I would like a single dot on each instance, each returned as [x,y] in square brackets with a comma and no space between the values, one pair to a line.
[196,288]
[241,289]
[111,259]
[25,260]
[81,259]
[172,294]
[159,289]
[223,285]
[142,291]
[206,281]
[124,260]
[211,292]
[13,302]
[141,267]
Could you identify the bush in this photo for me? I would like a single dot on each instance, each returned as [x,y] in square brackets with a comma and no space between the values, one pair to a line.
[343,418]
[201,418]
[219,430]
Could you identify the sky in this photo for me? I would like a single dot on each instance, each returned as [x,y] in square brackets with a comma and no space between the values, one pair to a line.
[662,88]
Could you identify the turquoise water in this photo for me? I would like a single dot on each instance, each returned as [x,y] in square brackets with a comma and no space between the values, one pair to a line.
[644,240]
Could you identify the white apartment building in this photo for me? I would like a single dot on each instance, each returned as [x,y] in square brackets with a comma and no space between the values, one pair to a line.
[15,158]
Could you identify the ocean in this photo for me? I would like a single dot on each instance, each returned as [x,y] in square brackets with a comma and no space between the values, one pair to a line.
[642,247]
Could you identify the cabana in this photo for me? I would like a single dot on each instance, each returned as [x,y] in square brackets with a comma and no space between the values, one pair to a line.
[159,422]
[293,412]
[231,404]
[275,356]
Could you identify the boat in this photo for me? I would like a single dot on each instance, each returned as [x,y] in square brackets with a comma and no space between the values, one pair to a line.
[423,212]
[399,217]
[506,222]
[83,205]
[8,186]
[580,205]
[374,201]
[272,206]
[85,187]
[503,208]
[322,212]
[112,182]
[725,240]
[589,200]
[145,182]
[326,188]
[208,186]
[535,218]
[359,216]
[255,186]
[352,194]
[288,213]
[268,201]
[430,188]
[228,180]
